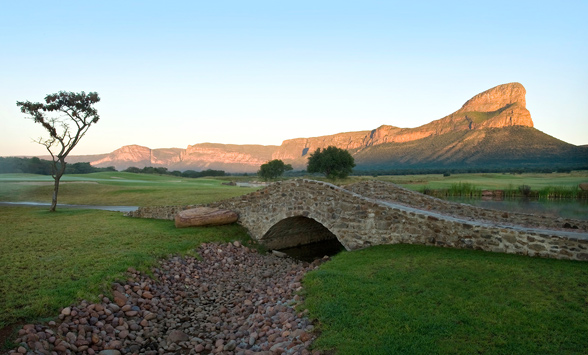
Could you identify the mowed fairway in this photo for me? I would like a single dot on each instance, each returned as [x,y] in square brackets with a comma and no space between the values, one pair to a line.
[117,189]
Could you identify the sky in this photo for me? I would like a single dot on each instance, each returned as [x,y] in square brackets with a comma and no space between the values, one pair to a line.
[176,73]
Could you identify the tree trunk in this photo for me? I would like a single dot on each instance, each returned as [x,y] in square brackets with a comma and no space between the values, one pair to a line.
[59,170]
[55,191]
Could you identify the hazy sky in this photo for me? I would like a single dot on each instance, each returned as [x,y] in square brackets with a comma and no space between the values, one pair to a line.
[176,73]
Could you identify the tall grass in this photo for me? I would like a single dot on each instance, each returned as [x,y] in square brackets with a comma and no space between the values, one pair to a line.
[460,189]
[547,192]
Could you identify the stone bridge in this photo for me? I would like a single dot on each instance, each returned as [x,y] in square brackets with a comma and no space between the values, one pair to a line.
[295,212]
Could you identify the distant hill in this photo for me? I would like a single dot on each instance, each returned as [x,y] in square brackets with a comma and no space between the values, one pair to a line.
[492,129]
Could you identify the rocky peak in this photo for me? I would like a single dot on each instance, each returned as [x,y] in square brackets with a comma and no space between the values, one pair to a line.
[496,98]
[133,152]
[129,155]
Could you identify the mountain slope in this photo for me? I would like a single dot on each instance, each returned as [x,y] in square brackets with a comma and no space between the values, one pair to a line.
[515,146]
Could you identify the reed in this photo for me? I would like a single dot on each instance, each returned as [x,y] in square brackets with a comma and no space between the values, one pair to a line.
[459,189]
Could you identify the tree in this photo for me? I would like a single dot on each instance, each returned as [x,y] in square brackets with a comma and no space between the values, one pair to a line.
[332,161]
[132,169]
[67,116]
[273,169]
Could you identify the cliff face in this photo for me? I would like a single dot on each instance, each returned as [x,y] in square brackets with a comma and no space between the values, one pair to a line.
[127,154]
[212,156]
[300,147]
[500,107]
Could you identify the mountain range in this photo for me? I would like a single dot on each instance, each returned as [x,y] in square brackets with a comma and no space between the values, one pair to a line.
[492,129]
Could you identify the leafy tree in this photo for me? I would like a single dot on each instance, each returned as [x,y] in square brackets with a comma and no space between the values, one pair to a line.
[332,161]
[273,169]
[191,174]
[66,116]
[197,174]
[162,171]
[211,172]
[132,169]
[79,168]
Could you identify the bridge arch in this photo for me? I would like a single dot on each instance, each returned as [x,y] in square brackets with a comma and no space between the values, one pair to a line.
[295,231]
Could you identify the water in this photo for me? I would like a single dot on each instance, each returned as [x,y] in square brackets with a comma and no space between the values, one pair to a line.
[566,208]
[87,207]
[313,251]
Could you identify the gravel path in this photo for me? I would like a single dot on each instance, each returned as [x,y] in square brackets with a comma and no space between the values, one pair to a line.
[233,301]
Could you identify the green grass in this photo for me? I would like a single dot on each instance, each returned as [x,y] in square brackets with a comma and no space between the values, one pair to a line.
[125,189]
[49,260]
[494,181]
[407,299]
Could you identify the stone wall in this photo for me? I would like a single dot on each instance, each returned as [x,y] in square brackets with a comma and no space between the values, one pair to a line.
[358,221]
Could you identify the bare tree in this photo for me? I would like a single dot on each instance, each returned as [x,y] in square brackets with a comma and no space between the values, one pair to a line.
[67,117]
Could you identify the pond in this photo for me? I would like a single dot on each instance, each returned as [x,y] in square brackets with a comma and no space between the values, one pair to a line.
[565,208]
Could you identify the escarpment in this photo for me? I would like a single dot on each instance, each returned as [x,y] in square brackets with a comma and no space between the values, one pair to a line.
[493,127]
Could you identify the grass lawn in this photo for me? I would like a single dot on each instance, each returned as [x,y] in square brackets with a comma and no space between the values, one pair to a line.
[49,260]
[408,299]
[117,188]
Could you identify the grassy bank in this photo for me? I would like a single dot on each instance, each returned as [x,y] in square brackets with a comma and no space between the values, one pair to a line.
[424,300]
[49,260]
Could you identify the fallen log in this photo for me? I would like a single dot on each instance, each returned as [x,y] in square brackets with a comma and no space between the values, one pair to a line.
[204,216]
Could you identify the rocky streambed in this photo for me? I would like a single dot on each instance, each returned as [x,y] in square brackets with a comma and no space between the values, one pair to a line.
[232,301]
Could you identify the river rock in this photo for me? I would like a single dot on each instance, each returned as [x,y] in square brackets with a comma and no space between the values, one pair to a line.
[177,336]
[205,216]
[200,304]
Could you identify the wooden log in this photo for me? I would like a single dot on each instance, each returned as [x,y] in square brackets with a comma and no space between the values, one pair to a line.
[204,216]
